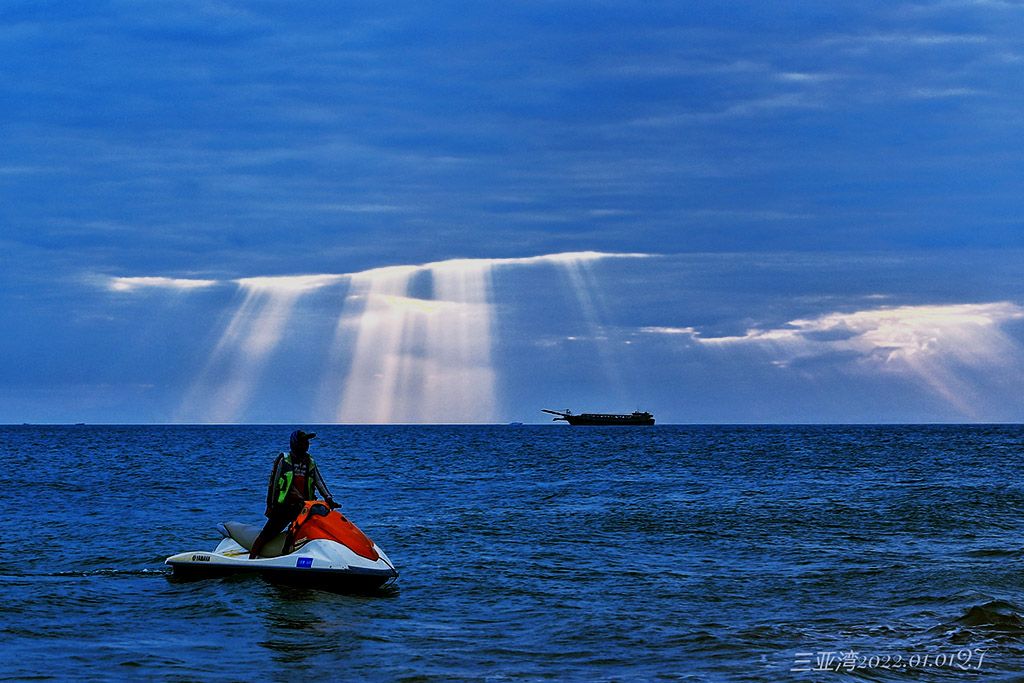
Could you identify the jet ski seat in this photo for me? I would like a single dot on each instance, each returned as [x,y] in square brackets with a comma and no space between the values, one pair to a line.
[245,535]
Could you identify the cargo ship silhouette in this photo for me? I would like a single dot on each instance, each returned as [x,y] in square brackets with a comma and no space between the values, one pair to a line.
[636,418]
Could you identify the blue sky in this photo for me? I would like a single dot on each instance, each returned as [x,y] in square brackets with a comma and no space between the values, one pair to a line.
[467,212]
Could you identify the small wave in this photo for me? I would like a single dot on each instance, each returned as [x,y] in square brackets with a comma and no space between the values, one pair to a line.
[992,624]
[997,615]
[993,552]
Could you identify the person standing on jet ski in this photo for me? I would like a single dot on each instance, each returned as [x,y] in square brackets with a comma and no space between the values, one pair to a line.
[294,480]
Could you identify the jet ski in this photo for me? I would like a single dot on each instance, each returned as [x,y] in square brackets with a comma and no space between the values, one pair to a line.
[320,549]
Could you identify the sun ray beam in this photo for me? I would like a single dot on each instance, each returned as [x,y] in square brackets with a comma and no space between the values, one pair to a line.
[395,356]
[227,383]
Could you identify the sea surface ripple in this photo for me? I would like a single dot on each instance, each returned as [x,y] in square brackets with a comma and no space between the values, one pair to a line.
[528,553]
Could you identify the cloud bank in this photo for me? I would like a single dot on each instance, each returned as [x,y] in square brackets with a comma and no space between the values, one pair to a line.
[133,284]
[949,348]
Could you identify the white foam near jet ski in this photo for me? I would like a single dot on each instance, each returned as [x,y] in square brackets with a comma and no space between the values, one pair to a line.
[322,549]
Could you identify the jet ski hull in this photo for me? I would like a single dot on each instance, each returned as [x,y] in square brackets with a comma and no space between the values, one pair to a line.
[334,580]
[304,569]
[327,563]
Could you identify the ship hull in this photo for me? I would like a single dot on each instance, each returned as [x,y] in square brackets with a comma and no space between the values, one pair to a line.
[606,420]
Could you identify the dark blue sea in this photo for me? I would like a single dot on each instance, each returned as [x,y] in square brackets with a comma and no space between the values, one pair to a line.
[528,553]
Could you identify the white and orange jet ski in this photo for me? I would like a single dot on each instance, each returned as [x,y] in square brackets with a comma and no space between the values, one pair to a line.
[321,549]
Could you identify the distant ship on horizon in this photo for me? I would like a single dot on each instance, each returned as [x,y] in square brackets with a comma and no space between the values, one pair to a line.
[636,418]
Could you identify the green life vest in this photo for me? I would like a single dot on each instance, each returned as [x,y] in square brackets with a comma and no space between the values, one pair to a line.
[284,482]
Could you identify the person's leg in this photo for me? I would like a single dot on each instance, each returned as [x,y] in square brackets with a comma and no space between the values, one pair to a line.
[280,517]
[261,541]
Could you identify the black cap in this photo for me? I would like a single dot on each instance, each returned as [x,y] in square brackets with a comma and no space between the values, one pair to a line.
[299,441]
